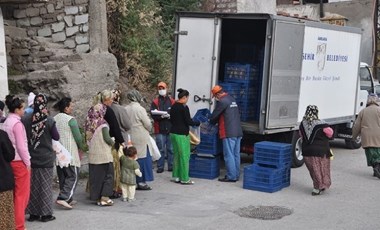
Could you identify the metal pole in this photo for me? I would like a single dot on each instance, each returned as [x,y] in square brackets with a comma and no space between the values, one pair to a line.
[375,62]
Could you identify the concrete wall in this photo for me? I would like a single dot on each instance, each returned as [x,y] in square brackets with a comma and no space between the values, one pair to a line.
[257,6]
[358,13]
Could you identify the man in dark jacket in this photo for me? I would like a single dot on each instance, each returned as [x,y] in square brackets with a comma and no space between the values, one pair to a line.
[162,127]
[227,115]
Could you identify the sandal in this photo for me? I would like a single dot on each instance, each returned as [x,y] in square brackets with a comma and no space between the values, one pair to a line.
[189,182]
[175,180]
[108,202]
[316,192]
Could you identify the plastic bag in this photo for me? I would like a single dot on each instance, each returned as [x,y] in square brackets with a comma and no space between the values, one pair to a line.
[195,135]
[63,155]
[156,152]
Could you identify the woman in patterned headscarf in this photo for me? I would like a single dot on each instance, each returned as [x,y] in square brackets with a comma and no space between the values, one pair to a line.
[316,149]
[141,125]
[41,130]
[100,159]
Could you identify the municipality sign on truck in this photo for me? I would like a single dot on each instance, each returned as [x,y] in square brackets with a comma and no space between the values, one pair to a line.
[280,66]
[3,61]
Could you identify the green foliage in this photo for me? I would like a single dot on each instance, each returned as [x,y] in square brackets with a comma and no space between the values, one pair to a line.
[147,28]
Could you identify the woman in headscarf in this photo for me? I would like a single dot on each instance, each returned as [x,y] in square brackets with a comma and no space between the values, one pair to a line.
[367,125]
[141,125]
[71,139]
[106,98]
[21,162]
[315,135]
[100,157]
[41,130]
[179,135]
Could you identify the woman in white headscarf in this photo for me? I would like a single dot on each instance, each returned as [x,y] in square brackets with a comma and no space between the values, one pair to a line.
[141,125]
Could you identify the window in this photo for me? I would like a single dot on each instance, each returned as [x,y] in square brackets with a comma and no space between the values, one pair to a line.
[365,79]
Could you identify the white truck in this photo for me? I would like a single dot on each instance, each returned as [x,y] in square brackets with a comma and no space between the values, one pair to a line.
[302,62]
[3,61]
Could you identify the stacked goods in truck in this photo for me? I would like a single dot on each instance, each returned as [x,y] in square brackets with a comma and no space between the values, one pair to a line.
[247,75]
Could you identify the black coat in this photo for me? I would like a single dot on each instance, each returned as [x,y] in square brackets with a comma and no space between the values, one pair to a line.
[7,154]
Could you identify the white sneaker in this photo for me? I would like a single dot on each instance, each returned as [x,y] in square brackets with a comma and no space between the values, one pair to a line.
[64,204]
[131,200]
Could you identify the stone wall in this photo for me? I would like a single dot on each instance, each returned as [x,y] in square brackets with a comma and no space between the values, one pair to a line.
[63,22]
[225,6]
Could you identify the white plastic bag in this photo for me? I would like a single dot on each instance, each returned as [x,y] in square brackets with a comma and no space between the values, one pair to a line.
[156,152]
[63,155]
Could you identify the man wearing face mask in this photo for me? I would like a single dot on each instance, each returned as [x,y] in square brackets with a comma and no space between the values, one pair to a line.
[226,114]
[162,127]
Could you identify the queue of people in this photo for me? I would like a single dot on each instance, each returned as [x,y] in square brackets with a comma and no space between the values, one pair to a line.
[120,148]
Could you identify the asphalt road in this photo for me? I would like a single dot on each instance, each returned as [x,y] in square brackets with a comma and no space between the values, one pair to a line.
[352,202]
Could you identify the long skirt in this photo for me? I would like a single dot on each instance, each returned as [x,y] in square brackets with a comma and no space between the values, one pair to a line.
[146,168]
[41,192]
[373,156]
[7,218]
[319,169]
[181,156]
[101,180]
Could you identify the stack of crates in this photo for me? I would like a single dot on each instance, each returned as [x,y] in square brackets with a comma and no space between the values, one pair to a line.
[204,167]
[205,163]
[247,76]
[270,171]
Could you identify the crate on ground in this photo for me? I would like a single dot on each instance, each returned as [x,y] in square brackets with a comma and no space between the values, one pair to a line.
[210,144]
[272,154]
[266,179]
[204,167]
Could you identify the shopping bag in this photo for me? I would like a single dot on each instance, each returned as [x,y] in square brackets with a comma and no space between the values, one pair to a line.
[156,152]
[63,155]
[195,135]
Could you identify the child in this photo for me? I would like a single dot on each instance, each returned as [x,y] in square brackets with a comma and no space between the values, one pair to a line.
[130,168]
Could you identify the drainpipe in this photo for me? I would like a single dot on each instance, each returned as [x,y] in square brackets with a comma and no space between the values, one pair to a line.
[321,13]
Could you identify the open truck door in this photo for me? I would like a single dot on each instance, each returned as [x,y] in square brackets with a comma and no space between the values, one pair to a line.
[196,46]
[285,81]
[285,76]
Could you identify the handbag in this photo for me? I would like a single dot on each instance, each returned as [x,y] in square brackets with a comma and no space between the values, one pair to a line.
[63,155]
[156,155]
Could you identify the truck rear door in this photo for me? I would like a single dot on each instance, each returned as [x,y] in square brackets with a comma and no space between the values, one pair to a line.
[285,72]
[197,43]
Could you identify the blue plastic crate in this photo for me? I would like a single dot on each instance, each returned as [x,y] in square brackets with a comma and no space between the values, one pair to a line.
[266,179]
[202,115]
[240,72]
[273,154]
[204,167]
[210,144]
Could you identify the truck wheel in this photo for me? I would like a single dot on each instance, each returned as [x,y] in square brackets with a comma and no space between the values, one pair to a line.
[297,160]
[353,144]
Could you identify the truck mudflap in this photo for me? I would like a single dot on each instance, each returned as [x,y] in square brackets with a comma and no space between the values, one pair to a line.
[346,134]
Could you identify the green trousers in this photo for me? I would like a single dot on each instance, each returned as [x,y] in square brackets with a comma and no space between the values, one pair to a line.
[181,156]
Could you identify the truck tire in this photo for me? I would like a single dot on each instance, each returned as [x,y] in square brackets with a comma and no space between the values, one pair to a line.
[297,158]
[353,144]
